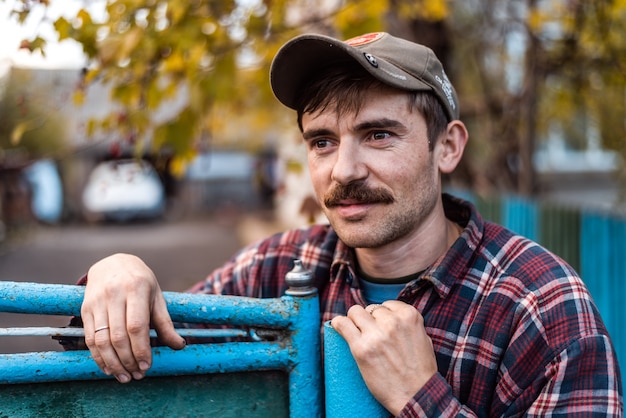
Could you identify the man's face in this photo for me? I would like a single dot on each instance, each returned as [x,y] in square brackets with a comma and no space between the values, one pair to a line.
[372,172]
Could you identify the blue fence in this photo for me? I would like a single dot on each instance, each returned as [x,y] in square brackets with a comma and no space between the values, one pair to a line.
[278,334]
[594,243]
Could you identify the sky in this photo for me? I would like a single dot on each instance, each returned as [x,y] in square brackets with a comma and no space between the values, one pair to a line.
[66,54]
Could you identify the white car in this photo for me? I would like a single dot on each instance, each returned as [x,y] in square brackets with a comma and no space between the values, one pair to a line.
[121,190]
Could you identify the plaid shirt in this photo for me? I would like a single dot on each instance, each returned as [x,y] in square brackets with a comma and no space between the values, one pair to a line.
[514,329]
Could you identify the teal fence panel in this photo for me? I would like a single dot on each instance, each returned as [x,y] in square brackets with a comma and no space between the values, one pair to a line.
[521,216]
[489,207]
[595,250]
[560,232]
[603,268]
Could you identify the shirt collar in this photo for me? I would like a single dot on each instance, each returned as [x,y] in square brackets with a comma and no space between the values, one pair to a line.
[454,264]
[343,263]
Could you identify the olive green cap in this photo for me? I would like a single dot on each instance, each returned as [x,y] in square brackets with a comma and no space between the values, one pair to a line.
[394,61]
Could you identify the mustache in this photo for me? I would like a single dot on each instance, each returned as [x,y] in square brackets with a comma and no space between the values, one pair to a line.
[358,192]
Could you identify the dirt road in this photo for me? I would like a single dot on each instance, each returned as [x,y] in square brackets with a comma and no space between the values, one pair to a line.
[179,252]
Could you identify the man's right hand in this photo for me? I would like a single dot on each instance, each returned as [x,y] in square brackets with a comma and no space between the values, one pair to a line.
[122,300]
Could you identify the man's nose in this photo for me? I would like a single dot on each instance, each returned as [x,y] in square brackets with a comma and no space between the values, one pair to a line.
[349,165]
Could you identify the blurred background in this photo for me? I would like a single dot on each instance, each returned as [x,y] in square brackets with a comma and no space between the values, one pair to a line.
[149,127]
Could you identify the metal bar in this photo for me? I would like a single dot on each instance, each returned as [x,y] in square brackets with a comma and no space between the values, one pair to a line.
[59,299]
[346,393]
[305,378]
[80,332]
[193,359]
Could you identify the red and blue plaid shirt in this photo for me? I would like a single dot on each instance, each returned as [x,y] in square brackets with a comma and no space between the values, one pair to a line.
[514,329]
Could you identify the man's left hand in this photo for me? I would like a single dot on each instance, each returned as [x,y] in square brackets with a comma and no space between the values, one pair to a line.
[391,348]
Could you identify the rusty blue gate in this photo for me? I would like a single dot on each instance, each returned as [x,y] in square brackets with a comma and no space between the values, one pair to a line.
[266,364]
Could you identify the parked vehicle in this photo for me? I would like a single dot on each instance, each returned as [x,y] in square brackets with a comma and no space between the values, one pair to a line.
[121,190]
[47,191]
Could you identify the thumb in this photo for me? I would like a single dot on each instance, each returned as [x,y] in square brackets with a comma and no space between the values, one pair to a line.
[164,326]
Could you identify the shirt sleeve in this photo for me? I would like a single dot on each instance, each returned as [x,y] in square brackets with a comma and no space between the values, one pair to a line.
[583,380]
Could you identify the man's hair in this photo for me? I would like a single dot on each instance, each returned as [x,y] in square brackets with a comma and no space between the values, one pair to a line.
[344,87]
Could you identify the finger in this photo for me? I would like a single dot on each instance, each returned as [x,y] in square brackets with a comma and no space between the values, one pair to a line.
[374,307]
[163,325]
[97,339]
[138,333]
[117,351]
[89,329]
[109,347]
[108,355]
[346,328]
[394,305]
[350,327]
[362,318]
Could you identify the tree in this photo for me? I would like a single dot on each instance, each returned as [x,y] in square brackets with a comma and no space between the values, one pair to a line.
[531,68]
[523,68]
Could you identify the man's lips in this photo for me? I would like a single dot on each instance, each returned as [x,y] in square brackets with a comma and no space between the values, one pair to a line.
[352,210]
[350,202]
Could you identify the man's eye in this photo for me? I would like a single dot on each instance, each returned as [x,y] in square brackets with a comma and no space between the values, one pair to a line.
[320,143]
[380,135]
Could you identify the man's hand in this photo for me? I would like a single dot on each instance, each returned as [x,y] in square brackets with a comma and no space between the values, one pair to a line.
[391,348]
[122,300]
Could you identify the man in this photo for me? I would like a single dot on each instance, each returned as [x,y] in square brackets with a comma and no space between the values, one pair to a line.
[445,314]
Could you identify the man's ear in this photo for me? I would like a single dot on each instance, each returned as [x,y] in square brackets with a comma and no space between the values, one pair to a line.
[451,146]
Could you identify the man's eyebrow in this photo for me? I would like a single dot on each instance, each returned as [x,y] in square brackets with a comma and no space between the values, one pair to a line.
[383,123]
[314,133]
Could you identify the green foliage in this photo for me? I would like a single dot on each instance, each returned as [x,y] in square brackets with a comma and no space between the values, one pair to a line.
[27,122]
[568,57]
[586,64]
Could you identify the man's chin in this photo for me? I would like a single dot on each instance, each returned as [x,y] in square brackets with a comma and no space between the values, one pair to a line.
[356,234]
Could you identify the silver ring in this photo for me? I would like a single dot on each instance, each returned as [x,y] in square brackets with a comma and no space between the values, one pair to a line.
[101,328]
[374,307]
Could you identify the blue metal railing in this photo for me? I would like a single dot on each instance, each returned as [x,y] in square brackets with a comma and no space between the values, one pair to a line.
[346,392]
[297,352]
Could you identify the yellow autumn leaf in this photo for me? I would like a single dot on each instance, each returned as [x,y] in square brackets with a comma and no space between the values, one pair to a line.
[91,127]
[177,10]
[129,41]
[18,132]
[174,63]
[436,10]
[84,18]
[180,163]
[63,28]
[78,97]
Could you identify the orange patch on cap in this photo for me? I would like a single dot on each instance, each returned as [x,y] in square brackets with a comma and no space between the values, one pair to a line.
[364,39]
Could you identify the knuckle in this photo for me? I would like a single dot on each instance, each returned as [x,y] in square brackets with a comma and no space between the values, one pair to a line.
[363,350]
[142,354]
[410,314]
[129,364]
[101,342]
[134,327]
[117,338]
[353,309]
[90,341]
[136,282]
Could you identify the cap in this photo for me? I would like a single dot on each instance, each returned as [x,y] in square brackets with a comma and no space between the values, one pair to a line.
[394,61]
